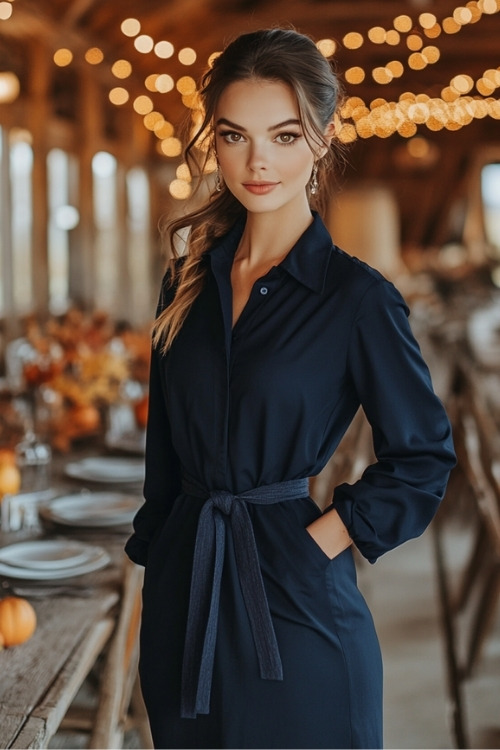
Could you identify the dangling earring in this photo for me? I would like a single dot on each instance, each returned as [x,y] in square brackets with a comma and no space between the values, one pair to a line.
[218,179]
[314,184]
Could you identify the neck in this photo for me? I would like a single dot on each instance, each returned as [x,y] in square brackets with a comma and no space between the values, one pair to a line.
[268,237]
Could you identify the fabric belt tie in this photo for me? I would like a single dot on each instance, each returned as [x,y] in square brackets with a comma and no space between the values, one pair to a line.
[201,630]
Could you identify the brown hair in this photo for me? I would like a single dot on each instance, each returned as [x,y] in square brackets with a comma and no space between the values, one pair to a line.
[281,55]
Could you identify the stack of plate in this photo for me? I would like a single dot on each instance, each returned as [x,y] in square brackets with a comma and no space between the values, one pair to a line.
[51,559]
[108,469]
[96,510]
[131,441]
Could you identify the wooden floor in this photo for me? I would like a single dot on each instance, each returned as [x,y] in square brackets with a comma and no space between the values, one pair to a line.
[402,591]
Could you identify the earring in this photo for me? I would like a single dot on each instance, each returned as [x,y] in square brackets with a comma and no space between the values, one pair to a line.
[314,184]
[218,179]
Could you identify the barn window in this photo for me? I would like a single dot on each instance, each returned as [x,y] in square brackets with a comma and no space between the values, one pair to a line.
[21,167]
[490,192]
[63,218]
[107,255]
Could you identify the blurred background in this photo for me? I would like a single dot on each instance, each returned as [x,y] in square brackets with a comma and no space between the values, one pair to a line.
[95,96]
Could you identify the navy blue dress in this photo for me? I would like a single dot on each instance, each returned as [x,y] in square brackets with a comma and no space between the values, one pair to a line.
[233,411]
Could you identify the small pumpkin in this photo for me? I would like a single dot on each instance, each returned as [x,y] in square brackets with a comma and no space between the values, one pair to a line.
[17,620]
[84,419]
[10,479]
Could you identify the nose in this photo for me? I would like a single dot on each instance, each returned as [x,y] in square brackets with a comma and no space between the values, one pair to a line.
[257,157]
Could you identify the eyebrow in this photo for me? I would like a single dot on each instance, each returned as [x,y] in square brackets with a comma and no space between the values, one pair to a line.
[285,123]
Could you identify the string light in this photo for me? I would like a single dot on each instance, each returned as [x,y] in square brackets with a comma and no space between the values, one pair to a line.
[144,43]
[427,20]
[353,40]
[164,83]
[187,56]
[171,146]
[94,56]
[462,16]
[143,105]
[118,96]
[152,119]
[163,130]
[121,69]
[150,82]
[130,27]
[164,50]
[414,42]
[354,75]
[393,37]
[5,11]
[396,68]
[179,189]
[377,35]
[183,172]
[186,85]
[431,54]
[454,108]
[433,32]
[327,47]
[403,24]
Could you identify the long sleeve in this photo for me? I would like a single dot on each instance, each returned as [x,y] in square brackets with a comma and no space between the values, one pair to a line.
[163,477]
[396,497]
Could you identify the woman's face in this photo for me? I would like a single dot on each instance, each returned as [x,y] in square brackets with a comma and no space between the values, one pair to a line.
[265,159]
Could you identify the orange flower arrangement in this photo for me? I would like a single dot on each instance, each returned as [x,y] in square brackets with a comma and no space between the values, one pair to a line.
[84,360]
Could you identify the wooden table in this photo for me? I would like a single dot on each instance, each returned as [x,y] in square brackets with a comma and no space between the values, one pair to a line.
[88,620]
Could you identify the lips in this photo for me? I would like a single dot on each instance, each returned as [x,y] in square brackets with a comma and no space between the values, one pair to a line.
[260,188]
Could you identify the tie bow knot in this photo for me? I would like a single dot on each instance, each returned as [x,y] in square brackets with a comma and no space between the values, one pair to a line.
[222,500]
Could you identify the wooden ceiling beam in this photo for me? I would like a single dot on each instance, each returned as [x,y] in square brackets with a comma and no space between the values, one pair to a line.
[76,10]
[30,21]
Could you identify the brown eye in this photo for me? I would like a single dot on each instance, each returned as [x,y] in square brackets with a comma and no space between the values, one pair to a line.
[287,138]
[231,137]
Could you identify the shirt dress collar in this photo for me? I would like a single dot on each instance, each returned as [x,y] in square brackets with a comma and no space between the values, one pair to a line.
[307,261]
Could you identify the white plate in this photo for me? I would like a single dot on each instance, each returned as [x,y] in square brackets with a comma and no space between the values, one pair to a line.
[92,509]
[130,442]
[45,554]
[107,469]
[98,558]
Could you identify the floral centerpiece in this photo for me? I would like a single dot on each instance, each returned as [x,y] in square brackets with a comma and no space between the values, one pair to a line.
[79,365]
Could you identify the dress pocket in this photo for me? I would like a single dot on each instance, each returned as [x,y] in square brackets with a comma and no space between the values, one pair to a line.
[316,549]
[313,547]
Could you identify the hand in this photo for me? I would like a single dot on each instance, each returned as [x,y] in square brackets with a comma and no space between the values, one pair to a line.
[330,534]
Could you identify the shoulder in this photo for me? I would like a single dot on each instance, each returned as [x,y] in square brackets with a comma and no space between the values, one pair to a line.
[348,268]
[366,286]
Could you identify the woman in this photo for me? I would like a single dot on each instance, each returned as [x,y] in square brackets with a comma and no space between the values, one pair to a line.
[267,341]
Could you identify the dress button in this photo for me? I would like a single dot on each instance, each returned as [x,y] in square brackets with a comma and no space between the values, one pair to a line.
[264,290]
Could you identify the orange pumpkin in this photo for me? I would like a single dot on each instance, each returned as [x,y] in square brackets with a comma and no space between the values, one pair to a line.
[84,419]
[10,479]
[17,620]
[10,476]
